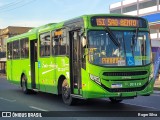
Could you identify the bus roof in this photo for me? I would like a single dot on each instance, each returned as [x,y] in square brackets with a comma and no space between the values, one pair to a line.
[32,34]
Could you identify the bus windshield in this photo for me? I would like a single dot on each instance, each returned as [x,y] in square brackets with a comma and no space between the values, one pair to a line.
[134,49]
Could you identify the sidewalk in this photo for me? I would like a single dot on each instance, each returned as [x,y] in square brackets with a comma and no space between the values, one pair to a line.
[157,84]
[2,75]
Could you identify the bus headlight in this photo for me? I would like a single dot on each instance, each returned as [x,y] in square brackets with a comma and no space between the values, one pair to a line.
[151,73]
[151,76]
[95,79]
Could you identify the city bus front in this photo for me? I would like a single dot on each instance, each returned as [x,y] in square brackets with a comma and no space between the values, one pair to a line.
[119,63]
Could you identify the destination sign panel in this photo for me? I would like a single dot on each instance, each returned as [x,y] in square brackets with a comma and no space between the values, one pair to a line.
[117,22]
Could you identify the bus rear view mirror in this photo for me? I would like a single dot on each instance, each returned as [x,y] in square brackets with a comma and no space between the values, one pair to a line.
[83,41]
[75,35]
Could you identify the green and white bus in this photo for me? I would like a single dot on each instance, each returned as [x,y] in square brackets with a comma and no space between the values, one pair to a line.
[92,56]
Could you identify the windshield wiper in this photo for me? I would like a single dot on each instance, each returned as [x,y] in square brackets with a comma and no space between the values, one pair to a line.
[135,37]
[112,36]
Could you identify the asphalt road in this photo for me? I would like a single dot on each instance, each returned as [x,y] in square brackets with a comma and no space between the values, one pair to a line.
[13,99]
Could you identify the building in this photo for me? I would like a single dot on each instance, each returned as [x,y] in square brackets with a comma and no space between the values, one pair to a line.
[9,32]
[149,9]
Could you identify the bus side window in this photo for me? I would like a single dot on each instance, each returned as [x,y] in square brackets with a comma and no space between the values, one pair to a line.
[55,46]
[62,46]
[24,48]
[58,43]
[45,43]
[9,50]
[16,50]
[42,51]
[47,50]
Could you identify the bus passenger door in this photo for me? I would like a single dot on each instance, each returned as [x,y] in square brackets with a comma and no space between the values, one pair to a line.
[75,62]
[33,61]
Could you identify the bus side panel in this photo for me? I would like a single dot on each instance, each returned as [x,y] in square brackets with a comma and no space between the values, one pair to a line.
[9,70]
[42,74]
[50,70]
[26,70]
[62,69]
[51,76]
[17,67]
[15,71]
[46,74]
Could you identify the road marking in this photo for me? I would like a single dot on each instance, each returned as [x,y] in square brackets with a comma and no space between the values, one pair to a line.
[33,107]
[139,105]
[142,106]
[7,99]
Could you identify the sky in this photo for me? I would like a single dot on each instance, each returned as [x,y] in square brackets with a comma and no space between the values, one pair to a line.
[34,13]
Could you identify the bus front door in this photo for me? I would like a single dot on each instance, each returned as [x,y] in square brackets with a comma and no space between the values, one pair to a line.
[33,60]
[75,62]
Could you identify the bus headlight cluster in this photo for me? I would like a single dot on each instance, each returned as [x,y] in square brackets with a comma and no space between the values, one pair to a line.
[151,76]
[151,73]
[95,78]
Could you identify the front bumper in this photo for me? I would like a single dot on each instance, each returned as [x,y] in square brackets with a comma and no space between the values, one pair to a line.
[103,93]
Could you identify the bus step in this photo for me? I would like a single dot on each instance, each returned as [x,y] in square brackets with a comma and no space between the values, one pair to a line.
[35,90]
[77,96]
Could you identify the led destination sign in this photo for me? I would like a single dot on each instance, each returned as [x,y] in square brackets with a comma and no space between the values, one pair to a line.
[118,22]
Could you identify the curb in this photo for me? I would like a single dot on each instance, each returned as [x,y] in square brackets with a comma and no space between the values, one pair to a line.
[156,88]
[2,76]
[156,92]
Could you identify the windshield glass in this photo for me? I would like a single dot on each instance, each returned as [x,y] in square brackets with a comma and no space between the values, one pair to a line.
[134,49]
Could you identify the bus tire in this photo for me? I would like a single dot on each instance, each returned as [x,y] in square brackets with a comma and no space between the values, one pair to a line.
[66,93]
[114,100]
[24,84]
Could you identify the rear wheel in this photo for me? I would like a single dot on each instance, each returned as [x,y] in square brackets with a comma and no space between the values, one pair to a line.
[66,93]
[115,100]
[24,84]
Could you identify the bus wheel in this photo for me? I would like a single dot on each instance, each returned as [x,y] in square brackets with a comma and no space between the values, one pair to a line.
[24,84]
[66,93]
[114,100]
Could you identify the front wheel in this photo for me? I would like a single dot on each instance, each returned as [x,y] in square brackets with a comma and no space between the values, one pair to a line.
[66,93]
[24,84]
[115,100]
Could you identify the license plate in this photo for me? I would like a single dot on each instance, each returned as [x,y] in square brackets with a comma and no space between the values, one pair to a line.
[116,86]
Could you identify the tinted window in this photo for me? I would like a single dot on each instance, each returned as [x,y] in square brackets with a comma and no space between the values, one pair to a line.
[58,43]
[9,50]
[45,43]
[16,50]
[24,48]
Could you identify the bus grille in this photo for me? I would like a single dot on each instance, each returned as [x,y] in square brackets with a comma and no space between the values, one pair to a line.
[134,73]
[126,89]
